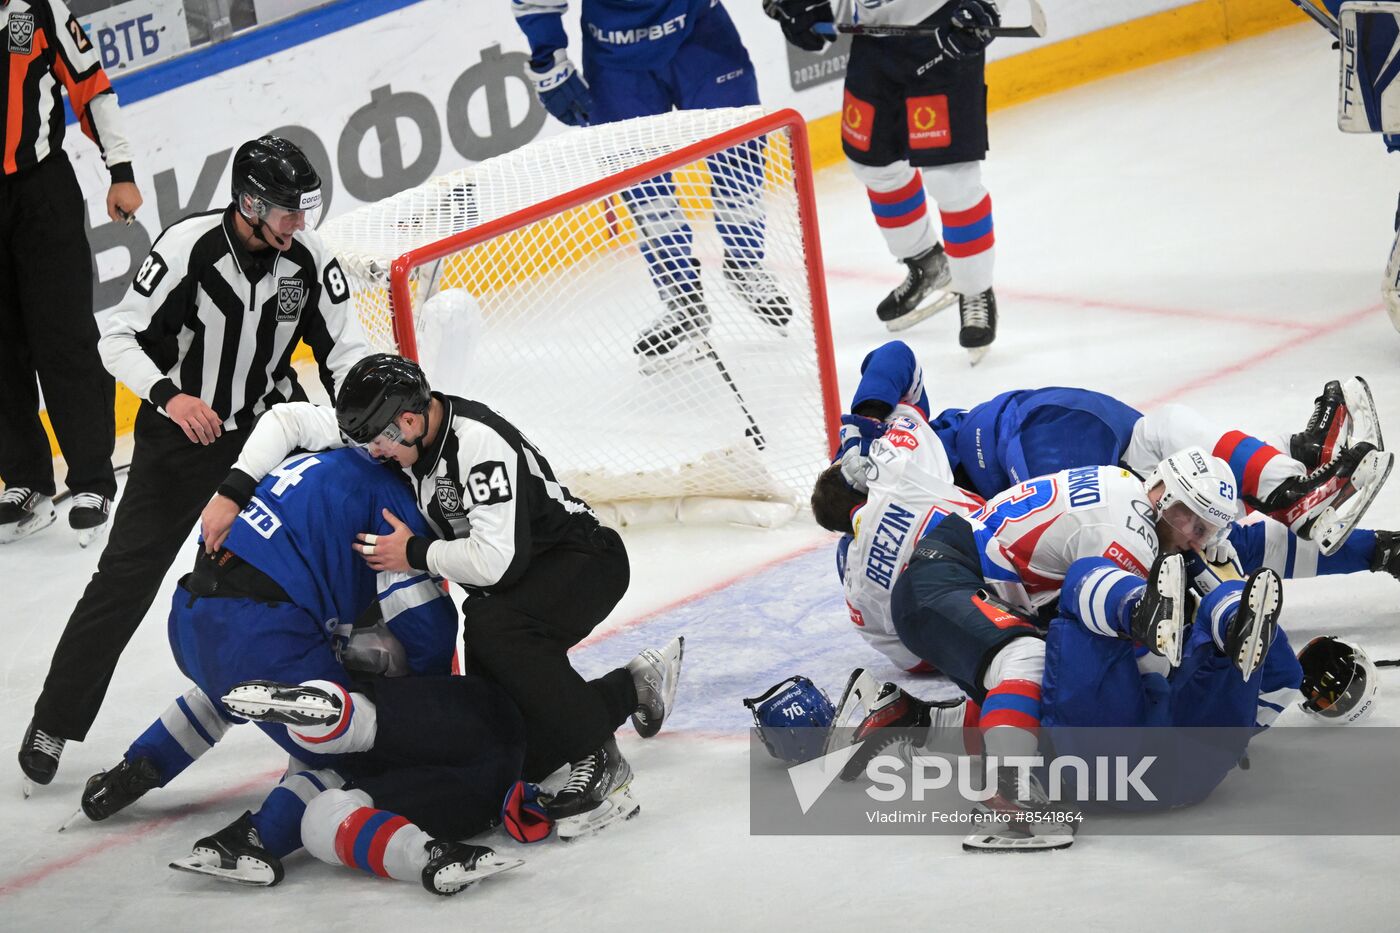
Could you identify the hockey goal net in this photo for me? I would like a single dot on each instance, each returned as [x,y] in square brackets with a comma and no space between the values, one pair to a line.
[527,282]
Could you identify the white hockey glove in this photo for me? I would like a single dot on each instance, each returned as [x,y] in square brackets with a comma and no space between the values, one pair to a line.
[853,465]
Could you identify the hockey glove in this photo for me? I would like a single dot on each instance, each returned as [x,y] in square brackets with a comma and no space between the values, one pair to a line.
[522,814]
[859,432]
[963,36]
[561,90]
[797,17]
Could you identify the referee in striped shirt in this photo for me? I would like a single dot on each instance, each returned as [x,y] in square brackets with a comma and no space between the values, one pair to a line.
[204,336]
[47,329]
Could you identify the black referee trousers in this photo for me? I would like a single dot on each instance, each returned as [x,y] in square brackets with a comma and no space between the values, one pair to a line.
[169,484]
[47,329]
[520,637]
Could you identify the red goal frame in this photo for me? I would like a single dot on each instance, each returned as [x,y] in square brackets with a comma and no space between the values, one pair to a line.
[403,267]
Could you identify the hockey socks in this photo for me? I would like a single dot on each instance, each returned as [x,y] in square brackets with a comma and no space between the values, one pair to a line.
[187,729]
[343,828]
[278,820]
[1258,467]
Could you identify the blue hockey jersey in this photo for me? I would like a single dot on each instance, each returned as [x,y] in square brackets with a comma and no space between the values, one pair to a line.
[298,529]
[633,34]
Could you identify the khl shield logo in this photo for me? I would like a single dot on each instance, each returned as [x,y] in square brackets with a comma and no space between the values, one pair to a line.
[291,296]
[448,496]
[22,33]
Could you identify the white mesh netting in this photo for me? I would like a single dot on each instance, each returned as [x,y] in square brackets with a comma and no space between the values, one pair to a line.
[543,322]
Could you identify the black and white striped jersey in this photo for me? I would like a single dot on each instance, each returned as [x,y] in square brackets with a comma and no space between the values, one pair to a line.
[204,316]
[489,494]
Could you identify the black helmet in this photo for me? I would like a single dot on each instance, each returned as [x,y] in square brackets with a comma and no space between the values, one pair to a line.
[274,173]
[377,390]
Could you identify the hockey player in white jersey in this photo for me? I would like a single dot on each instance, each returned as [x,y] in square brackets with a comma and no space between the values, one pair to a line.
[914,124]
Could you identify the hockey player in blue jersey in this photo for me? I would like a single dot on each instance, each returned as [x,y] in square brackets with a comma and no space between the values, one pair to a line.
[1320,488]
[287,599]
[648,57]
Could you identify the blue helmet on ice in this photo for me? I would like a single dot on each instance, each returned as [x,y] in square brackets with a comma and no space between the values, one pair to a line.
[792,719]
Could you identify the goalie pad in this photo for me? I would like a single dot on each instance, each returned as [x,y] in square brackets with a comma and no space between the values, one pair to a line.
[1369,97]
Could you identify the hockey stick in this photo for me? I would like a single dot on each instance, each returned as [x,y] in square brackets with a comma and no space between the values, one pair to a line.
[1034,30]
[1319,17]
[753,432]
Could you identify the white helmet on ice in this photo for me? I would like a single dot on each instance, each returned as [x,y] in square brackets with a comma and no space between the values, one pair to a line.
[1339,681]
[1199,498]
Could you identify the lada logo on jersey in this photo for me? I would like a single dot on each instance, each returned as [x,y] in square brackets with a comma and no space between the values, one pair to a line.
[291,297]
[22,33]
[449,497]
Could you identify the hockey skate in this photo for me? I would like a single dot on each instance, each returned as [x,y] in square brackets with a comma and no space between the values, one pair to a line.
[979,324]
[891,722]
[1024,819]
[656,675]
[453,866]
[22,513]
[1342,416]
[88,516]
[108,792]
[759,291]
[922,294]
[235,853]
[595,796]
[678,336]
[1325,505]
[38,756]
[288,704]
[1159,620]
[1246,640]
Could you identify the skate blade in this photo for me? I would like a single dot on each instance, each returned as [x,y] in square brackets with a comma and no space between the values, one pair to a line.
[922,313]
[1336,524]
[668,661]
[71,820]
[17,531]
[1361,408]
[253,873]
[1264,597]
[975,355]
[1169,631]
[86,536]
[454,878]
[255,703]
[618,807]
[1007,839]
[686,354]
[26,787]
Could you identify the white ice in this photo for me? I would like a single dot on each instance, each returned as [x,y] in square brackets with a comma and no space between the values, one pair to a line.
[1195,232]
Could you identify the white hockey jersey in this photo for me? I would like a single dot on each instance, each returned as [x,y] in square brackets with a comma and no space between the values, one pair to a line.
[892,12]
[1031,534]
[910,482]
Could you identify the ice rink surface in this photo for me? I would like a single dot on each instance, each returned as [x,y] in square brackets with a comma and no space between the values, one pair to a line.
[1195,232]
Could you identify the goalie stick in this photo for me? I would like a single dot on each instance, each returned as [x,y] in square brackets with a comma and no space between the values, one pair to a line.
[1033,30]
[753,432]
[1320,17]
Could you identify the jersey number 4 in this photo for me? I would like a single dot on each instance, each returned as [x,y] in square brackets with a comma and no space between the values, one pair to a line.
[488,483]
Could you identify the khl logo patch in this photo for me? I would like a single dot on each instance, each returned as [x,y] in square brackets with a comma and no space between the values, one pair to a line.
[291,297]
[22,33]
[449,497]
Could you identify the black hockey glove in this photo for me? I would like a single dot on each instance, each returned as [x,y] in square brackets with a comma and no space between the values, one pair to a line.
[797,17]
[964,35]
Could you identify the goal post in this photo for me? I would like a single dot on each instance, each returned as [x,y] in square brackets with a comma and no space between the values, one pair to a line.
[528,281]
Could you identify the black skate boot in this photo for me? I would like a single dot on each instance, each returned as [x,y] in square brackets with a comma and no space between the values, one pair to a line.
[676,335]
[922,294]
[1327,429]
[110,791]
[655,675]
[454,865]
[88,516]
[895,723]
[235,853]
[979,323]
[1325,505]
[23,512]
[1386,557]
[288,704]
[1247,638]
[595,795]
[1024,818]
[1159,619]
[39,754]
[759,291]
